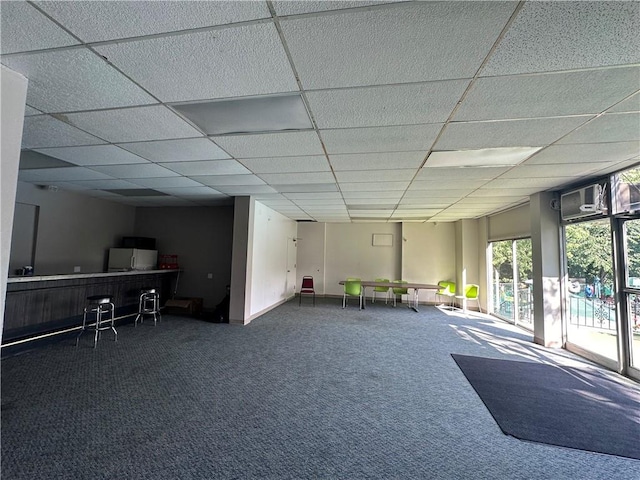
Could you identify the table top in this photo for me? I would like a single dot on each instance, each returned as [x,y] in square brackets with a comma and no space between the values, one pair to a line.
[416,286]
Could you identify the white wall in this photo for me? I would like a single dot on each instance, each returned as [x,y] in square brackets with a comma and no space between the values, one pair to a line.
[75,230]
[13,94]
[311,253]
[273,234]
[350,253]
[429,254]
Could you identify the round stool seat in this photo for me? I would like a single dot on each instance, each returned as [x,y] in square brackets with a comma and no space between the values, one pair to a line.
[100,299]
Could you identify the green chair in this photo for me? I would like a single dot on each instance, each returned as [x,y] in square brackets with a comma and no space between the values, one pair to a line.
[446,291]
[472,292]
[399,291]
[381,290]
[352,287]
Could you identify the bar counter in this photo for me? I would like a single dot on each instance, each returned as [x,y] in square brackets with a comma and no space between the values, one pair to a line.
[41,304]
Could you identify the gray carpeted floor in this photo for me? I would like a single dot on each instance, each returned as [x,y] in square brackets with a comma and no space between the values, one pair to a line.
[300,393]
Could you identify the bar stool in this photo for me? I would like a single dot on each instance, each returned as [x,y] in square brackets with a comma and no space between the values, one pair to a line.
[149,305]
[100,305]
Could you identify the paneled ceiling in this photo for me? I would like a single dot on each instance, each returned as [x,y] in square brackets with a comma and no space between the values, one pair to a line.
[329,111]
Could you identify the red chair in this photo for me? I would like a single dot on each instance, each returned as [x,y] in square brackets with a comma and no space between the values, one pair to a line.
[307,288]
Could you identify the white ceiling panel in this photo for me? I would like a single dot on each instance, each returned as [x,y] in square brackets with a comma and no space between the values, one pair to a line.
[314,196]
[536,183]
[28,111]
[618,127]
[383,196]
[167,182]
[377,161]
[430,102]
[561,170]
[75,79]
[436,194]
[631,104]
[381,139]
[23,28]
[506,192]
[446,184]
[193,191]
[546,95]
[376,176]
[134,124]
[295,178]
[312,163]
[271,145]
[93,155]
[98,21]
[207,167]
[512,133]
[460,173]
[246,60]
[585,153]
[45,131]
[372,186]
[436,33]
[177,150]
[108,184]
[548,36]
[284,8]
[374,201]
[227,180]
[143,170]
[69,174]
[246,190]
[441,202]
[306,187]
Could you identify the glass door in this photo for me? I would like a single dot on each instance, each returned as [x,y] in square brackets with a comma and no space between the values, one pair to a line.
[503,293]
[631,293]
[590,305]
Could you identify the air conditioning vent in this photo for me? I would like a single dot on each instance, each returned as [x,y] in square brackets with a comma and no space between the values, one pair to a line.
[585,202]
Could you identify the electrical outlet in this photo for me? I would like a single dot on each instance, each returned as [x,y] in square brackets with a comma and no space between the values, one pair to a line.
[76,269]
[210,276]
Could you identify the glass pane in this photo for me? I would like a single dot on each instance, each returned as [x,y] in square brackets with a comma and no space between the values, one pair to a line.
[525,283]
[591,309]
[632,256]
[633,304]
[503,299]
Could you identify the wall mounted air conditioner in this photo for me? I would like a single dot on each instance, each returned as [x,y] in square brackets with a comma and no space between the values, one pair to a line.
[581,203]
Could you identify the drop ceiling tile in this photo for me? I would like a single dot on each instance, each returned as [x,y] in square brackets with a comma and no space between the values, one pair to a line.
[547,36]
[440,202]
[228,180]
[507,133]
[325,202]
[191,191]
[312,163]
[369,186]
[381,139]
[437,194]
[377,161]
[460,173]
[207,167]
[93,155]
[113,184]
[23,28]
[425,213]
[493,200]
[31,159]
[306,187]
[314,196]
[547,95]
[69,174]
[585,153]
[297,178]
[167,182]
[430,102]
[439,184]
[631,104]
[236,61]
[383,196]
[284,8]
[376,175]
[98,21]
[271,145]
[177,150]
[45,131]
[246,190]
[134,124]
[145,170]
[29,111]
[561,170]
[613,127]
[437,32]
[75,79]
[507,192]
[538,183]
[372,201]
[72,187]
[483,157]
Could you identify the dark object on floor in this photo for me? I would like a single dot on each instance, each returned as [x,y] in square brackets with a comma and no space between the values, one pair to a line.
[565,406]
[221,312]
[184,306]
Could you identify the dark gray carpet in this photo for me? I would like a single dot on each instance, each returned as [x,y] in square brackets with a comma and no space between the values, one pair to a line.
[564,406]
[300,393]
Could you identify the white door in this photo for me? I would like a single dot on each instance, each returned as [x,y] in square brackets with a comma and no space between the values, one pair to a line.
[292,252]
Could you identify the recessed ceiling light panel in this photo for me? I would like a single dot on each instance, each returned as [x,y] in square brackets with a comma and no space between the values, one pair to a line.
[485,157]
[248,115]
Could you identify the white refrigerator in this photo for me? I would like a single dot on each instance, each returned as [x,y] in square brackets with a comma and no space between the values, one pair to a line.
[125,259]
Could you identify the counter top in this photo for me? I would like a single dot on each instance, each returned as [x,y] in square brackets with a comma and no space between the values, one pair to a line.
[69,276]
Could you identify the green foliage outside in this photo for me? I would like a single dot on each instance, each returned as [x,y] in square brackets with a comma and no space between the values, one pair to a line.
[502,259]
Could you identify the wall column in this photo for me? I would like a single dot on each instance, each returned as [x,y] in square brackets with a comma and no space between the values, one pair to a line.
[545,245]
[13,95]
[242,260]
